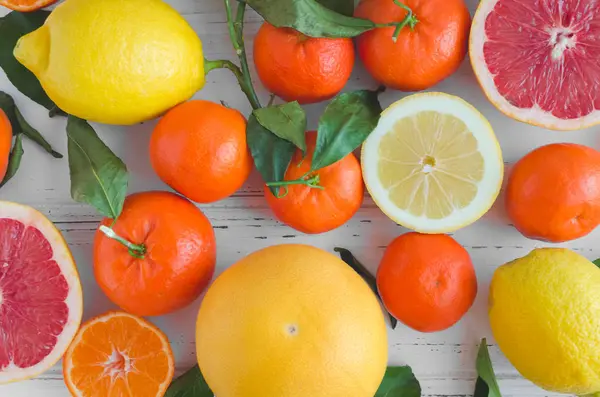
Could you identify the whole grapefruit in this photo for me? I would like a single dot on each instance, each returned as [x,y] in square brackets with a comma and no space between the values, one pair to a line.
[291,321]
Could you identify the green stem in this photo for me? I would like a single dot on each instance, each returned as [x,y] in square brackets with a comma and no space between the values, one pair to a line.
[55,111]
[241,51]
[244,83]
[410,19]
[135,250]
[312,182]
[236,33]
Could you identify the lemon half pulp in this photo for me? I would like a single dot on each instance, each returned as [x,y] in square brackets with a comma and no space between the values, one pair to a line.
[433,163]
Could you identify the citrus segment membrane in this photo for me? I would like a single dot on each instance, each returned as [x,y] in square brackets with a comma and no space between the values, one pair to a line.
[537,60]
[118,354]
[33,311]
[433,163]
[40,294]
[430,165]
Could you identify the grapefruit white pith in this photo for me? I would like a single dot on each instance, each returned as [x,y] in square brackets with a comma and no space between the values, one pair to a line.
[40,293]
[537,60]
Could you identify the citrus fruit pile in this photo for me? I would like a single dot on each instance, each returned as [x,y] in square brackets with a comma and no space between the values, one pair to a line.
[295,320]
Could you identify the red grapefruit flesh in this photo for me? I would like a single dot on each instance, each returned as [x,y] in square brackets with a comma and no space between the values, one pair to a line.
[538,61]
[40,293]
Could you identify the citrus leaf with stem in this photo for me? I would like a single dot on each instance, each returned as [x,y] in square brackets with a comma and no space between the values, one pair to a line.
[21,126]
[362,271]
[190,384]
[14,161]
[287,121]
[399,382]
[12,27]
[316,20]
[346,123]
[236,35]
[272,155]
[597,262]
[310,18]
[486,385]
[98,176]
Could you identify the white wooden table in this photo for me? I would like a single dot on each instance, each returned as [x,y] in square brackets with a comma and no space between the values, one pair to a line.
[444,362]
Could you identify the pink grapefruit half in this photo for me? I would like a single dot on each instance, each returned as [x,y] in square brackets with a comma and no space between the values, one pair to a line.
[40,293]
[538,61]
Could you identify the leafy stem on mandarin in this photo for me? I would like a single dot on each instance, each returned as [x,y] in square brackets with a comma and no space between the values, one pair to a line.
[410,19]
[312,182]
[236,33]
[135,250]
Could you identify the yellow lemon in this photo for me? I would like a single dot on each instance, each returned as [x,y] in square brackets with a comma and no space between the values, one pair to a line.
[115,61]
[545,316]
[291,321]
[433,163]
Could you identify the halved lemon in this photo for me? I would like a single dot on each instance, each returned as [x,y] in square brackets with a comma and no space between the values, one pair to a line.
[433,163]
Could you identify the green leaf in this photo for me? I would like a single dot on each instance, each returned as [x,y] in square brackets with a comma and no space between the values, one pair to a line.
[272,155]
[12,27]
[486,385]
[310,17]
[190,384]
[14,161]
[35,136]
[399,382]
[287,121]
[346,123]
[596,262]
[359,268]
[7,103]
[21,126]
[98,176]
[344,7]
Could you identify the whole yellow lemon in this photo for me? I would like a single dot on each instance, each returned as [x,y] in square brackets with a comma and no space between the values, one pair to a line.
[545,316]
[115,61]
[291,321]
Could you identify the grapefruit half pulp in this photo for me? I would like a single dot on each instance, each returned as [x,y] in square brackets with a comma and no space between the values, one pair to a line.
[40,293]
[538,60]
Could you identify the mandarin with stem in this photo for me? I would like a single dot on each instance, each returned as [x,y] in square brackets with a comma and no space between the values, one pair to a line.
[336,195]
[428,49]
[157,257]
